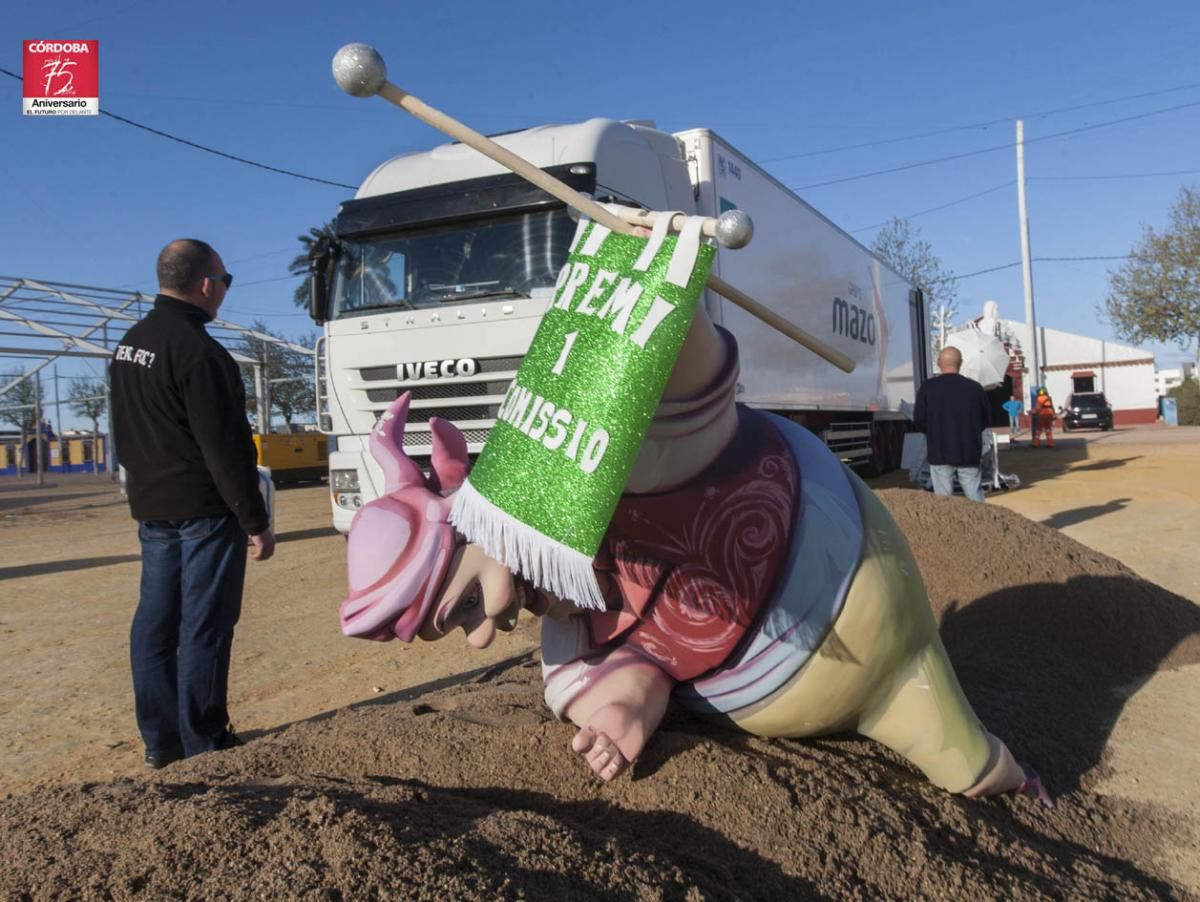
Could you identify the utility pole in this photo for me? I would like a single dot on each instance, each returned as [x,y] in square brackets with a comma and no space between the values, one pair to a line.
[111,447]
[262,402]
[1026,264]
[38,438]
[58,413]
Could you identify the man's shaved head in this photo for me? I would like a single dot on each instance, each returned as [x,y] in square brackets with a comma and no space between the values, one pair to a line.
[183,263]
[950,360]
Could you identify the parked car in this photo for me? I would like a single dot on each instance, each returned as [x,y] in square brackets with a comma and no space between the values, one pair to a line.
[1088,409]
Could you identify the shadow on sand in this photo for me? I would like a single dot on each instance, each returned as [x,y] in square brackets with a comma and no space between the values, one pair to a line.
[85,563]
[1080,514]
[1049,666]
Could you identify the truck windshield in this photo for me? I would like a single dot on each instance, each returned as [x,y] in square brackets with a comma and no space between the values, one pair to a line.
[471,261]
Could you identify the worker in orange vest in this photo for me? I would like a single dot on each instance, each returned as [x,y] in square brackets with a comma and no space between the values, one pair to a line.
[1043,418]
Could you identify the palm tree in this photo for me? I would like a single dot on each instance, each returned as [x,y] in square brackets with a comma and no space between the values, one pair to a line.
[314,242]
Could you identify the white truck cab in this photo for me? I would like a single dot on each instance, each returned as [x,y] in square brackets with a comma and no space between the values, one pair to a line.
[444,263]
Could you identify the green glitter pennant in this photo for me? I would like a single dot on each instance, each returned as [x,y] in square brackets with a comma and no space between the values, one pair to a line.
[545,486]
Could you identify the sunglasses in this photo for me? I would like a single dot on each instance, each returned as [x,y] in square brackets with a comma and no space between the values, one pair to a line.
[226,279]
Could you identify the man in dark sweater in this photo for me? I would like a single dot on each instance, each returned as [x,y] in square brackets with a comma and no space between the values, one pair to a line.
[179,423]
[953,411]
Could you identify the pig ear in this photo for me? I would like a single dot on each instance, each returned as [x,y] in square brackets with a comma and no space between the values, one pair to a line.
[450,462]
[387,447]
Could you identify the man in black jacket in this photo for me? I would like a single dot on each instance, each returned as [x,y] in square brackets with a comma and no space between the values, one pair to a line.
[179,423]
[953,411]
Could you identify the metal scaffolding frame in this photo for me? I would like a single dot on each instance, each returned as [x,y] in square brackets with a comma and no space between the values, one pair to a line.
[47,321]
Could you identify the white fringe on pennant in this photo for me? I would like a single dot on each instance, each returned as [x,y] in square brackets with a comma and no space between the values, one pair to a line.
[546,563]
[687,248]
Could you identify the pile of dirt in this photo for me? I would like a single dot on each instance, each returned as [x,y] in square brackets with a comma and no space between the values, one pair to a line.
[471,793]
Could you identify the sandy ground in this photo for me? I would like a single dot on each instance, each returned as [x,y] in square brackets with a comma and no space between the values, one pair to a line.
[68,583]
[69,569]
[1133,494]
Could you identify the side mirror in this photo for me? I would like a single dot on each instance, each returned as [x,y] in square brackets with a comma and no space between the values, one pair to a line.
[319,266]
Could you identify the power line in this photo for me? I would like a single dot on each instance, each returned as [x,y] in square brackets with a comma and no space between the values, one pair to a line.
[219,153]
[282,250]
[265,281]
[1124,175]
[975,125]
[993,149]
[260,314]
[978,272]
[1003,266]
[1074,259]
[952,203]
[1049,178]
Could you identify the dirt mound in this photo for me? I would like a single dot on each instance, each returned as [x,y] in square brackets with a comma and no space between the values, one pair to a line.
[471,793]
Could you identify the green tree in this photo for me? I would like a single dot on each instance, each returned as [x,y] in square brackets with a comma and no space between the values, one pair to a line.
[17,405]
[87,399]
[1155,294]
[1187,402]
[900,244]
[293,397]
[314,241]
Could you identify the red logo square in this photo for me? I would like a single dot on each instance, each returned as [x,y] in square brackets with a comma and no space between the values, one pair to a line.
[61,78]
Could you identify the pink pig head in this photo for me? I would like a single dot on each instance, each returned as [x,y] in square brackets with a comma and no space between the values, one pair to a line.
[411,574]
[401,545]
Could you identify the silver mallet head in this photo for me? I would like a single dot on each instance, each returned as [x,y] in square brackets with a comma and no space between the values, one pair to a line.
[359,70]
[734,229]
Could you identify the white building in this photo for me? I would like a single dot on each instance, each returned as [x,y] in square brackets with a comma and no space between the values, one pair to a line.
[1165,380]
[1077,363]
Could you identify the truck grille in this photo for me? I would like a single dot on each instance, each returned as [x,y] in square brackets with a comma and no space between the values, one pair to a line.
[473,437]
[438,392]
[454,414]
[473,400]
[486,365]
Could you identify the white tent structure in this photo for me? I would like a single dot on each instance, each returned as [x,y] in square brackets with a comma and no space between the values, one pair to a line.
[45,322]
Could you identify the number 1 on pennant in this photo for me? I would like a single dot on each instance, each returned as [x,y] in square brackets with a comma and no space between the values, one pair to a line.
[562,358]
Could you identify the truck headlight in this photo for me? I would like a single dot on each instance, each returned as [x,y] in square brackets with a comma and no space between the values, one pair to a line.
[343,480]
[350,502]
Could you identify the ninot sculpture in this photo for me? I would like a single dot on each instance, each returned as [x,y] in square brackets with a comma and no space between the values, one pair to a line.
[678,544]
[746,573]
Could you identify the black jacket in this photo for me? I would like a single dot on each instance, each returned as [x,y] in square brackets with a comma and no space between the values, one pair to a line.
[952,411]
[179,421]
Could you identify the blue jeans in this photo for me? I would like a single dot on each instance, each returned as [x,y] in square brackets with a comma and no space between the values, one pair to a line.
[942,476]
[179,644]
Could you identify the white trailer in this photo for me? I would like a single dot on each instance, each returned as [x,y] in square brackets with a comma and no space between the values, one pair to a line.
[444,264]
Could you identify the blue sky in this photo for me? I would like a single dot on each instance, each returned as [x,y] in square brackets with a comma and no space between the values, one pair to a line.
[91,200]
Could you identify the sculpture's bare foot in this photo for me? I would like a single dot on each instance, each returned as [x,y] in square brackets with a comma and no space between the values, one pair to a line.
[1032,786]
[612,738]
[601,753]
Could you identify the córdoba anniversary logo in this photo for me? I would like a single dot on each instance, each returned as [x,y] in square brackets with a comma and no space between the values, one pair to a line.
[61,78]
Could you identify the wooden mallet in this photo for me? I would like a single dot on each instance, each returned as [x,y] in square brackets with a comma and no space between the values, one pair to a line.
[361,72]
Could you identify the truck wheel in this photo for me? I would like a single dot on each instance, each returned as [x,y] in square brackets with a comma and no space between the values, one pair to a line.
[877,465]
[895,445]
